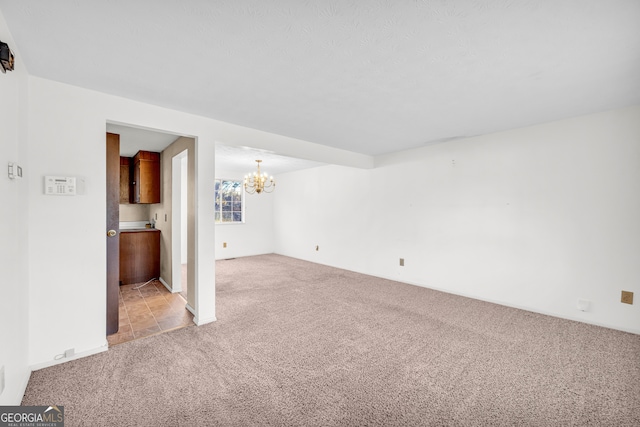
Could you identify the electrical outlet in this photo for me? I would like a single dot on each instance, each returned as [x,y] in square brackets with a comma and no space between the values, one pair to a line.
[317,247]
[583,305]
[165,217]
[627,297]
[224,244]
[401,262]
[1,380]
[70,352]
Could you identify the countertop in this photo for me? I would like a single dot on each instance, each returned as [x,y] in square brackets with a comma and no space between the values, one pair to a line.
[135,226]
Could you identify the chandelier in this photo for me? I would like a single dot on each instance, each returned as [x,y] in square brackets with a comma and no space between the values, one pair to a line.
[258,183]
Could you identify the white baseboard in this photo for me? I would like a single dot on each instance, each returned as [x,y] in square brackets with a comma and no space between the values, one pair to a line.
[86,353]
[12,396]
[23,388]
[166,285]
[200,322]
[191,309]
[507,304]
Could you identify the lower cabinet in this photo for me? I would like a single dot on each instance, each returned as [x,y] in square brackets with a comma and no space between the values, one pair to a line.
[139,255]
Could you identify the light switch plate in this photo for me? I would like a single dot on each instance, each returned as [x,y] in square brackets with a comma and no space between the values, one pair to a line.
[1,380]
[627,297]
[14,171]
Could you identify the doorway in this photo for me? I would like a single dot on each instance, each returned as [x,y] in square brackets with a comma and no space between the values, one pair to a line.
[179,226]
[176,173]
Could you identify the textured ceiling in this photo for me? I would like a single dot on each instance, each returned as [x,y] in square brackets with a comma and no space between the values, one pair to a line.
[369,76]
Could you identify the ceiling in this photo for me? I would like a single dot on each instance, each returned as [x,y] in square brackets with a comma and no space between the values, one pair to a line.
[134,139]
[243,159]
[228,158]
[368,76]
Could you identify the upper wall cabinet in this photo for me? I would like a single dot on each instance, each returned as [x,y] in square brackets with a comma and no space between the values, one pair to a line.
[146,177]
[125,181]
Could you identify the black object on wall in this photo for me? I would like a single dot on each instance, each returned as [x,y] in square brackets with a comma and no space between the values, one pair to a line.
[6,57]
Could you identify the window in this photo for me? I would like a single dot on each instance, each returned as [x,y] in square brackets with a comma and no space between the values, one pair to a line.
[229,206]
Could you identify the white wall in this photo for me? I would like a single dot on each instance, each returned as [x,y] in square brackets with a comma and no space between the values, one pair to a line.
[533,218]
[67,256]
[167,219]
[14,303]
[255,236]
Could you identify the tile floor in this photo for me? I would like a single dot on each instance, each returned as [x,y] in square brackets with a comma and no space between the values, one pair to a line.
[149,310]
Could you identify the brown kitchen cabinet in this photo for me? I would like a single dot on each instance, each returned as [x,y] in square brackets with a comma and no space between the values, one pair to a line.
[139,255]
[146,177]
[125,180]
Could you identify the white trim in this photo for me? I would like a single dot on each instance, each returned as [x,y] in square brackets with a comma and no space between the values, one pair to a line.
[50,363]
[519,307]
[166,285]
[203,299]
[23,389]
[467,295]
[191,309]
[243,201]
[176,219]
[200,322]
[197,320]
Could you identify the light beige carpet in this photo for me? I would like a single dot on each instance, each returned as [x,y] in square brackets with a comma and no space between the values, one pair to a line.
[299,344]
